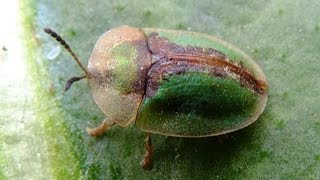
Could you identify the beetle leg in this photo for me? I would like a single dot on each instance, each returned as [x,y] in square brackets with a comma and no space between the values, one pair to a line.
[98,131]
[146,163]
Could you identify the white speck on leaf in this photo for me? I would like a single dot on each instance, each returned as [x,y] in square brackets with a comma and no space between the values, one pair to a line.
[54,53]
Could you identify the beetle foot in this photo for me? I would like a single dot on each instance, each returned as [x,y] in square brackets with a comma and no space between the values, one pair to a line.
[100,130]
[146,162]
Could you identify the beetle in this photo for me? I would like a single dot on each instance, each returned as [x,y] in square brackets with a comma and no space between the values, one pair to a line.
[170,82]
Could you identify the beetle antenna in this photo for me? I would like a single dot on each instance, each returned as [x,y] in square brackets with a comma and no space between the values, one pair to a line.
[67,47]
[71,81]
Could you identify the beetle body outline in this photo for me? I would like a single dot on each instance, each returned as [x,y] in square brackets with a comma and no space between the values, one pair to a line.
[129,68]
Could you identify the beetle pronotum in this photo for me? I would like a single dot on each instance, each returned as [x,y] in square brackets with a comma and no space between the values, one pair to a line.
[174,83]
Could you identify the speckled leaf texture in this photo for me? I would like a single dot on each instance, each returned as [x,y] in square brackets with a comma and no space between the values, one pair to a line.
[284,143]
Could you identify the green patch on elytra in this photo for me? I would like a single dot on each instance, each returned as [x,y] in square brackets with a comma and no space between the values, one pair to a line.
[125,71]
[197,104]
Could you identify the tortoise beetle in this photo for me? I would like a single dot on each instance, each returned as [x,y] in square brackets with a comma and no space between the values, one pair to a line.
[170,82]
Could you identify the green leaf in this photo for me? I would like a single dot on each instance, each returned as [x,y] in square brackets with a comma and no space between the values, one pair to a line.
[282,36]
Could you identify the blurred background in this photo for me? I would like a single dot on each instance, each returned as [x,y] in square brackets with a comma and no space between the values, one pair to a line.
[42,129]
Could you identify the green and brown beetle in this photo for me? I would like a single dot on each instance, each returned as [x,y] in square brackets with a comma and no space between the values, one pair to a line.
[174,83]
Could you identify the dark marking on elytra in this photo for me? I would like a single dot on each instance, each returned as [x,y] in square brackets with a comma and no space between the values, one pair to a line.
[176,59]
[245,77]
